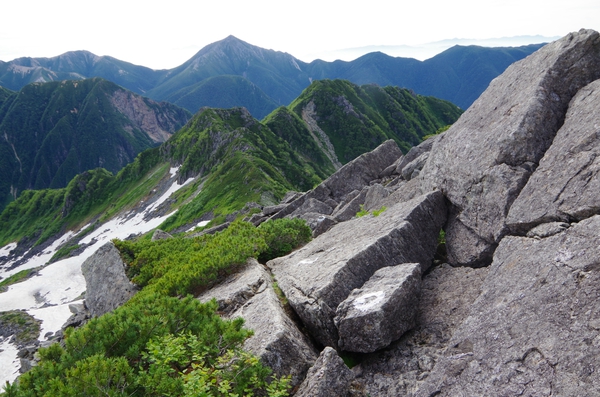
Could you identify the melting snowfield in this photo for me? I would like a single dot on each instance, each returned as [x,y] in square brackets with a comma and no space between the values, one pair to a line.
[47,295]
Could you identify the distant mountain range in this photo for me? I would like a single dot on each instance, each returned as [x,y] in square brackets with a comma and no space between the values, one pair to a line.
[232,73]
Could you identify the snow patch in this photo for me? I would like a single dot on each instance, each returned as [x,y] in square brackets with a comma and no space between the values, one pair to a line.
[9,362]
[39,259]
[52,317]
[200,224]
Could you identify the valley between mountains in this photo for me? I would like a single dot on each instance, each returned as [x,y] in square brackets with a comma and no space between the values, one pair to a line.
[357,240]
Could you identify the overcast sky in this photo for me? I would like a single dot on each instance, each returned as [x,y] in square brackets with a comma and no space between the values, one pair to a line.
[167,33]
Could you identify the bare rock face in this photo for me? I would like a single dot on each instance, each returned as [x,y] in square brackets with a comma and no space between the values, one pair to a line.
[446,297]
[484,160]
[107,285]
[348,208]
[566,185]
[534,330]
[160,235]
[319,276]
[381,310]
[375,197]
[142,114]
[355,175]
[277,341]
[312,205]
[328,377]
[318,223]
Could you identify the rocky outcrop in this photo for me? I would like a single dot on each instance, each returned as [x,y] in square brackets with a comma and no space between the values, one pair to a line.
[160,235]
[353,176]
[107,285]
[381,310]
[328,377]
[484,160]
[277,341]
[534,328]
[565,186]
[319,276]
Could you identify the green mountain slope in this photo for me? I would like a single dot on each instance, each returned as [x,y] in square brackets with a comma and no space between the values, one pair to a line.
[224,91]
[50,132]
[356,119]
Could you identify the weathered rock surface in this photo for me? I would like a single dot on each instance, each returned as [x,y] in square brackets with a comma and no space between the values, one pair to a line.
[318,223]
[238,288]
[446,297]
[376,194]
[160,235]
[273,209]
[412,169]
[416,152]
[534,330]
[328,377]
[548,229]
[319,276]
[277,341]
[483,161]
[312,205]
[566,185]
[355,175]
[347,210]
[381,310]
[107,285]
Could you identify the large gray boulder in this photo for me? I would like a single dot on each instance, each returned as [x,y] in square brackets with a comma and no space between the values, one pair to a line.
[327,378]
[534,330]
[566,185]
[319,276]
[277,341]
[446,296]
[381,310]
[484,160]
[107,285]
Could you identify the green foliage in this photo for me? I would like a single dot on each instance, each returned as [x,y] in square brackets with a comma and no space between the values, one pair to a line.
[161,345]
[183,364]
[282,236]
[179,266]
[152,346]
[63,252]
[379,211]
[364,212]
[16,278]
